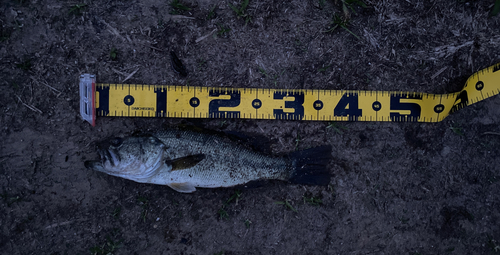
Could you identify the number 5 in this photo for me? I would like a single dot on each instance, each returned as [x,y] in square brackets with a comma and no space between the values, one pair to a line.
[397,105]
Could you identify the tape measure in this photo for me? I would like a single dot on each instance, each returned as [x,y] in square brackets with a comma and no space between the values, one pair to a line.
[134,100]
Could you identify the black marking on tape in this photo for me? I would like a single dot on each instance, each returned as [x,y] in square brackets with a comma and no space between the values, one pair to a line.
[161,101]
[194,102]
[439,108]
[479,86]
[348,106]
[377,106]
[318,105]
[397,105]
[129,100]
[463,101]
[256,103]
[215,104]
[103,108]
[296,105]
[496,67]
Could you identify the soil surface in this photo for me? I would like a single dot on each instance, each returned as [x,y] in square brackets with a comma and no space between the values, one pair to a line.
[397,188]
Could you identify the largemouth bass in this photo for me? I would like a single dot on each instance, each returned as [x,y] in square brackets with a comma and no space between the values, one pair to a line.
[184,160]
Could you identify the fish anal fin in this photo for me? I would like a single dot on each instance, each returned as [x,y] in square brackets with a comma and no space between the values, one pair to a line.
[185,162]
[184,187]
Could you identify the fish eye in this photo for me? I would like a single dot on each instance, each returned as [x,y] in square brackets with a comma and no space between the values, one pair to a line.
[117,141]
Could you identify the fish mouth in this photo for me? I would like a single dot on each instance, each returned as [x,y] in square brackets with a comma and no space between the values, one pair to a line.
[109,155]
[94,165]
[106,155]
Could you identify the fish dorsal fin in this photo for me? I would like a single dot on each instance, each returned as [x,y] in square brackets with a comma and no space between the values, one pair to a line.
[184,187]
[185,162]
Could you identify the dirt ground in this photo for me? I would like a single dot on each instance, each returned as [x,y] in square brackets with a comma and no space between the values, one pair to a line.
[397,188]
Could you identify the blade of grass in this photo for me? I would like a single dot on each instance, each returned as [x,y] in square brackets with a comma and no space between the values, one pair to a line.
[496,8]
[244,5]
[234,8]
[351,32]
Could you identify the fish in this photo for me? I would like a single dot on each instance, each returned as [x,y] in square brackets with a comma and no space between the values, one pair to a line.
[185,160]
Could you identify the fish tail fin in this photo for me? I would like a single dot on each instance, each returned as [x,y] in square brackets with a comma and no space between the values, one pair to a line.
[309,166]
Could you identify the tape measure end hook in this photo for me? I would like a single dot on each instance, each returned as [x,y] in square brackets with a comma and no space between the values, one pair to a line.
[87,97]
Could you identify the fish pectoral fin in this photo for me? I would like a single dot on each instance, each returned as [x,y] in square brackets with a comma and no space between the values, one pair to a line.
[185,162]
[184,187]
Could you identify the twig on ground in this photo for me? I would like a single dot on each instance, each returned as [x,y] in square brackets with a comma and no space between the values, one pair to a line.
[59,224]
[119,72]
[154,48]
[47,85]
[438,73]
[205,36]
[113,30]
[29,106]
[130,75]
[180,17]
[491,133]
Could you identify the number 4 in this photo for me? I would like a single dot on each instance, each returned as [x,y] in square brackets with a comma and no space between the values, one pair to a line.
[348,106]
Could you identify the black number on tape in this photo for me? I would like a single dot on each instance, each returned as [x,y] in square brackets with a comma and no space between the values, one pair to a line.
[103,108]
[129,100]
[296,105]
[194,102]
[439,108]
[348,106]
[479,85]
[214,105]
[397,105]
[318,105]
[463,101]
[161,102]
[256,103]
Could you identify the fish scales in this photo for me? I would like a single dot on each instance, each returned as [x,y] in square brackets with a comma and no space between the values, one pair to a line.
[226,163]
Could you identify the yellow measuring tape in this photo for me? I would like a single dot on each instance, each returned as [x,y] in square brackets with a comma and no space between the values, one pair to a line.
[133,100]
